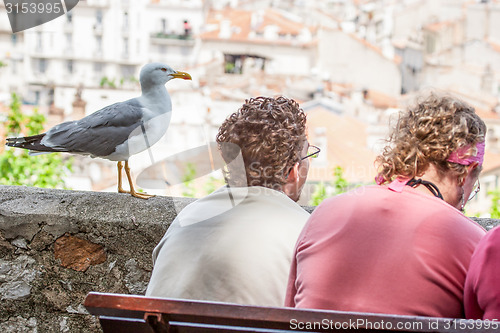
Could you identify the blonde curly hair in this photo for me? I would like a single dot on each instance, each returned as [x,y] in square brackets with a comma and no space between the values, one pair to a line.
[428,132]
[270,132]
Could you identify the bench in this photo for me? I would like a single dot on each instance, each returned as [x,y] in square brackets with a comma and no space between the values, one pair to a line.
[131,313]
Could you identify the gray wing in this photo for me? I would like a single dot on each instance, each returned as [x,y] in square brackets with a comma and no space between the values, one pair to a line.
[99,133]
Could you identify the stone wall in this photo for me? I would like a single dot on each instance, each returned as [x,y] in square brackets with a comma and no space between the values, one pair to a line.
[57,245]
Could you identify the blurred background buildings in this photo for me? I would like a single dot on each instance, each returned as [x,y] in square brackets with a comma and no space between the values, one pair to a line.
[351,64]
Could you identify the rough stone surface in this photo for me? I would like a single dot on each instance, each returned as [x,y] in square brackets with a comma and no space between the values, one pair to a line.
[136,278]
[19,325]
[37,293]
[16,277]
[487,224]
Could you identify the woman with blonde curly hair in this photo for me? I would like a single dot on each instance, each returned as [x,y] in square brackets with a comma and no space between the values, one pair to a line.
[432,139]
[402,246]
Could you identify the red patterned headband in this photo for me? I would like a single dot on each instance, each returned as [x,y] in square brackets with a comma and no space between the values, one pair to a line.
[459,156]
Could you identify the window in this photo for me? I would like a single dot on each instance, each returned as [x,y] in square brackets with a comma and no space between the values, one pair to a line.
[98,67]
[320,140]
[69,17]
[42,65]
[125,46]
[98,44]
[127,71]
[69,41]
[13,66]
[98,17]
[164,25]
[13,39]
[69,66]
[39,41]
[125,21]
[430,43]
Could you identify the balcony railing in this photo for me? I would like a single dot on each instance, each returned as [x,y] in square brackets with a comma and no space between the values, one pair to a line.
[171,38]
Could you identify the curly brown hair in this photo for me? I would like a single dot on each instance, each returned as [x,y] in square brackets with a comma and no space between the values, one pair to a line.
[428,132]
[270,132]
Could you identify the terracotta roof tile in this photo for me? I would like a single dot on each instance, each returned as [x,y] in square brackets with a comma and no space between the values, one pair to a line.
[241,29]
[286,26]
[494,45]
[437,26]
[485,113]
[397,59]
[491,161]
[381,100]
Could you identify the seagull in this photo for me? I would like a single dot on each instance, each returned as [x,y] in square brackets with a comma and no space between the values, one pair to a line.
[116,131]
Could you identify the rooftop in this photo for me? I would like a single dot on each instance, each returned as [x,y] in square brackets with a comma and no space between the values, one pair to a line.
[264,26]
[345,139]
[438,26]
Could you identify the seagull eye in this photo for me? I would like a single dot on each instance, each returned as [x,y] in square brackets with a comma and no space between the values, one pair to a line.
[164,69]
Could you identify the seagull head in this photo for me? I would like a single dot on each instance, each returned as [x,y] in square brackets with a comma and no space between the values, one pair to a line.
[157,73]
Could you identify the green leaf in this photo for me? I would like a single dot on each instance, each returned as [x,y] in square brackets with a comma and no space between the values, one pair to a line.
[338,186]
[17,167]
[188,181]
[495,198]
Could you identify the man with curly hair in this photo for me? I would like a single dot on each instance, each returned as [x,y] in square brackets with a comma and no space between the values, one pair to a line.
[402,246]
[236,244]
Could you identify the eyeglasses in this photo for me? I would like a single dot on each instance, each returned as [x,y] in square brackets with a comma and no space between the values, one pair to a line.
[312,151]
[475,189]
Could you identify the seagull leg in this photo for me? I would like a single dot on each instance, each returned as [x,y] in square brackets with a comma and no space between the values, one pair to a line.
[120,188]
[132,190]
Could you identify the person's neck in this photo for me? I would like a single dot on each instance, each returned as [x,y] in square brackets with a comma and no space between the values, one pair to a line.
[447,185]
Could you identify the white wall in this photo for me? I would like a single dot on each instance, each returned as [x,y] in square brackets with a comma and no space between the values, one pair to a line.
[483,20]
[347,60]
[482,54]
[410,16]
[463,79]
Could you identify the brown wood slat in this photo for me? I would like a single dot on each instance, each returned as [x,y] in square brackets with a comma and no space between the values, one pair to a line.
[196,316]
[122,325]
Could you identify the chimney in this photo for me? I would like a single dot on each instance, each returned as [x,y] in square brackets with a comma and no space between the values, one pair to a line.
[225,29]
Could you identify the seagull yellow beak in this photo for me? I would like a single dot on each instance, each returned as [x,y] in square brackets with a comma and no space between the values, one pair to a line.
[181,75]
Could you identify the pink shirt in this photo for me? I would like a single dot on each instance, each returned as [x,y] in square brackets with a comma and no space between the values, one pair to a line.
[482,286]
[384,250]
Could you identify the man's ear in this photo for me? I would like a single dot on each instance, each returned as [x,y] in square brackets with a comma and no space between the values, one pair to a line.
[293,175]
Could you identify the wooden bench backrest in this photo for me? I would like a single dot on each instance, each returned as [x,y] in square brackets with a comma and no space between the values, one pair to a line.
[130,313]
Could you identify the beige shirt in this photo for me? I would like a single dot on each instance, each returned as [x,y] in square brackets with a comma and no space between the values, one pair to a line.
[235,245]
